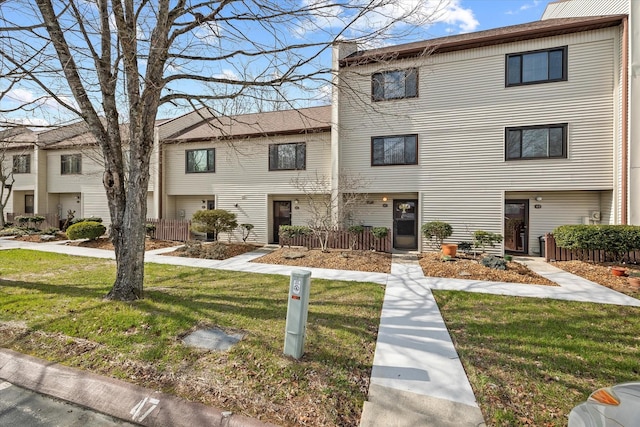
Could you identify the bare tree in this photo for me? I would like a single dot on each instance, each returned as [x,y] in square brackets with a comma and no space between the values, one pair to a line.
[14,157]
[115,62]
[322,202]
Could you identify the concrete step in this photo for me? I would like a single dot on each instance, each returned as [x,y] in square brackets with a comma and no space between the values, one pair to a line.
[396,408]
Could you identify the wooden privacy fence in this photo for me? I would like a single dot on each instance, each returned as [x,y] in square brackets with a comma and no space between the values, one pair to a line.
[555,253]
[341,239]
[171,229]
[50,220]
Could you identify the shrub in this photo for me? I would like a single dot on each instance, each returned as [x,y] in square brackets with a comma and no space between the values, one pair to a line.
[215,250]
[494,262]
[288,232]
[354,231]
[86,230]
[52,231]
[246,229]
[214,221]
[91,219]
[465,246]
[482,239]
[150,230]
[436,232]
[380,232]
[13,231]
[615,240]
[23,220]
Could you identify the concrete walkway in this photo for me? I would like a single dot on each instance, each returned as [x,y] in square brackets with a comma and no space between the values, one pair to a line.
[417,377]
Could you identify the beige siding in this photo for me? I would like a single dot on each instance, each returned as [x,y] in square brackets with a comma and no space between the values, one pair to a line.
[460,118]
[575,8]
[242,167]
[560,208]
[91,175]
[94,203]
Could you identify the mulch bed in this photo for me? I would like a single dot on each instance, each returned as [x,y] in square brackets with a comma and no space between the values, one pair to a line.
[105,243]
[199,250]
[36,238]
[468,267]
[601,273]
[335,259]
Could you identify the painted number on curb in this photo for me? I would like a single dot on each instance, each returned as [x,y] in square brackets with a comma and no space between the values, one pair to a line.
[137,410]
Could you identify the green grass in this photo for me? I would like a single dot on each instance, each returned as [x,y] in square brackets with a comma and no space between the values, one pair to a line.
[59,301]
[530,361]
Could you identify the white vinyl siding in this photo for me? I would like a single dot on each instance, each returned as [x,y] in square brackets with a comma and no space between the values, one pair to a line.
[94,204]
[92,171]
[575,8]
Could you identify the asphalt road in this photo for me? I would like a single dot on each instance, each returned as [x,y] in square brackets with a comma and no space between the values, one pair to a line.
[24,408]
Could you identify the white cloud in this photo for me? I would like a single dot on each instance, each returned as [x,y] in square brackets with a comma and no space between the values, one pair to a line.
[20,95]
[227,74]
[28,121]
[533,4]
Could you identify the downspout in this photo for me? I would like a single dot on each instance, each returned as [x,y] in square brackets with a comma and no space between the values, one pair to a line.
[624,202]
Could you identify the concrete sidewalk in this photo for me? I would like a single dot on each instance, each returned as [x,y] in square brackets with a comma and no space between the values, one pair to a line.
[417,378]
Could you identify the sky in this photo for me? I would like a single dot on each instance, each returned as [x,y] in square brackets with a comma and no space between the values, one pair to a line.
[461,16]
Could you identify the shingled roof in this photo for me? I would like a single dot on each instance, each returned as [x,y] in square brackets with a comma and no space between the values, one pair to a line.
[513,33]
[288,122]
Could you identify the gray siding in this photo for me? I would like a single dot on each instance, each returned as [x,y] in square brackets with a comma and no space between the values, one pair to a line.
[571,8]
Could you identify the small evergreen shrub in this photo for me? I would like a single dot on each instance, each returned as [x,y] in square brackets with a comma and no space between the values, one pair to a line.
[91,219]
[52,231]
[150,230]
[615,240]
[494,262]
[86,230]
[214,221]
[482,239]
[246,229]
[215,250]
[380,232]
[291,231]
[465,246]
[436,232]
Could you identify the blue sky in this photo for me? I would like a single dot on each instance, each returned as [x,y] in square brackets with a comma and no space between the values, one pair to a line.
[460,16]
[493,14]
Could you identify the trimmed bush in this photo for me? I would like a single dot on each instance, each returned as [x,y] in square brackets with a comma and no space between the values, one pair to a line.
[91,219]
[615,240]
[150,230]
[465,246]
[482,239]
[380,232]
[436,232]
[246,229]
[214,221]
[86,230]
[354,231]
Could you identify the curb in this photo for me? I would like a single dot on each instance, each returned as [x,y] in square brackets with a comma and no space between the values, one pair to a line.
[113,397]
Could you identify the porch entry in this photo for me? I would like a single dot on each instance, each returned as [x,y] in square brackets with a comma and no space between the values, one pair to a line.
[281,216]
[516,226]
[405,224]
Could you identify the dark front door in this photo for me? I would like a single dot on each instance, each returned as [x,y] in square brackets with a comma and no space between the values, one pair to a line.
[28,204]
[281,216]
[405,224]
[516,226]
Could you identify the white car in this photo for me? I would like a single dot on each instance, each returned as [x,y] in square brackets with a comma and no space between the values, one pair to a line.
[615,406]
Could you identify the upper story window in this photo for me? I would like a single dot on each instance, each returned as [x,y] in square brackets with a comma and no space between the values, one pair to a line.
[537,67]
[394,150]
[202,160]
[396,84]
[288,156]
[536,142]
[71,164]
[22,163]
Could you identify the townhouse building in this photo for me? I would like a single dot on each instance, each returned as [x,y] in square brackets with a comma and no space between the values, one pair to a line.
[513,130]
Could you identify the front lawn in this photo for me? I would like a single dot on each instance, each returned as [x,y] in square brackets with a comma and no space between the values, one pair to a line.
[530,361]
[51,307]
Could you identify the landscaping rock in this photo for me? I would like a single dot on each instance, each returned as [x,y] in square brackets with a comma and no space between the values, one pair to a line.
[293,255]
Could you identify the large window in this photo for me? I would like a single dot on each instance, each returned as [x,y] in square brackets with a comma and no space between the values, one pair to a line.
[394,150]
[200,161]
[537,67]
[536,142]
[394,84]
[287,156]
[22,163]
[71,164]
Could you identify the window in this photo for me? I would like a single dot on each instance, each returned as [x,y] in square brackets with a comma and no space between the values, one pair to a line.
[536,142]
[394,150]
[199,161]
[287,156]
[537,67]
[22,163]
[71,164]
[394,84]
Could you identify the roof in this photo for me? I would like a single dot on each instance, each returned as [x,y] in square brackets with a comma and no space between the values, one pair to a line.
[528,31]
[17,137]
[288,122]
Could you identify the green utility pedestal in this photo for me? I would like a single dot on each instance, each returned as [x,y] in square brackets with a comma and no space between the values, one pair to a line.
[297,310]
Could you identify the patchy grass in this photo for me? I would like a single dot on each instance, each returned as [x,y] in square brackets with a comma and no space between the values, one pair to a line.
[530,361]
[51,307]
